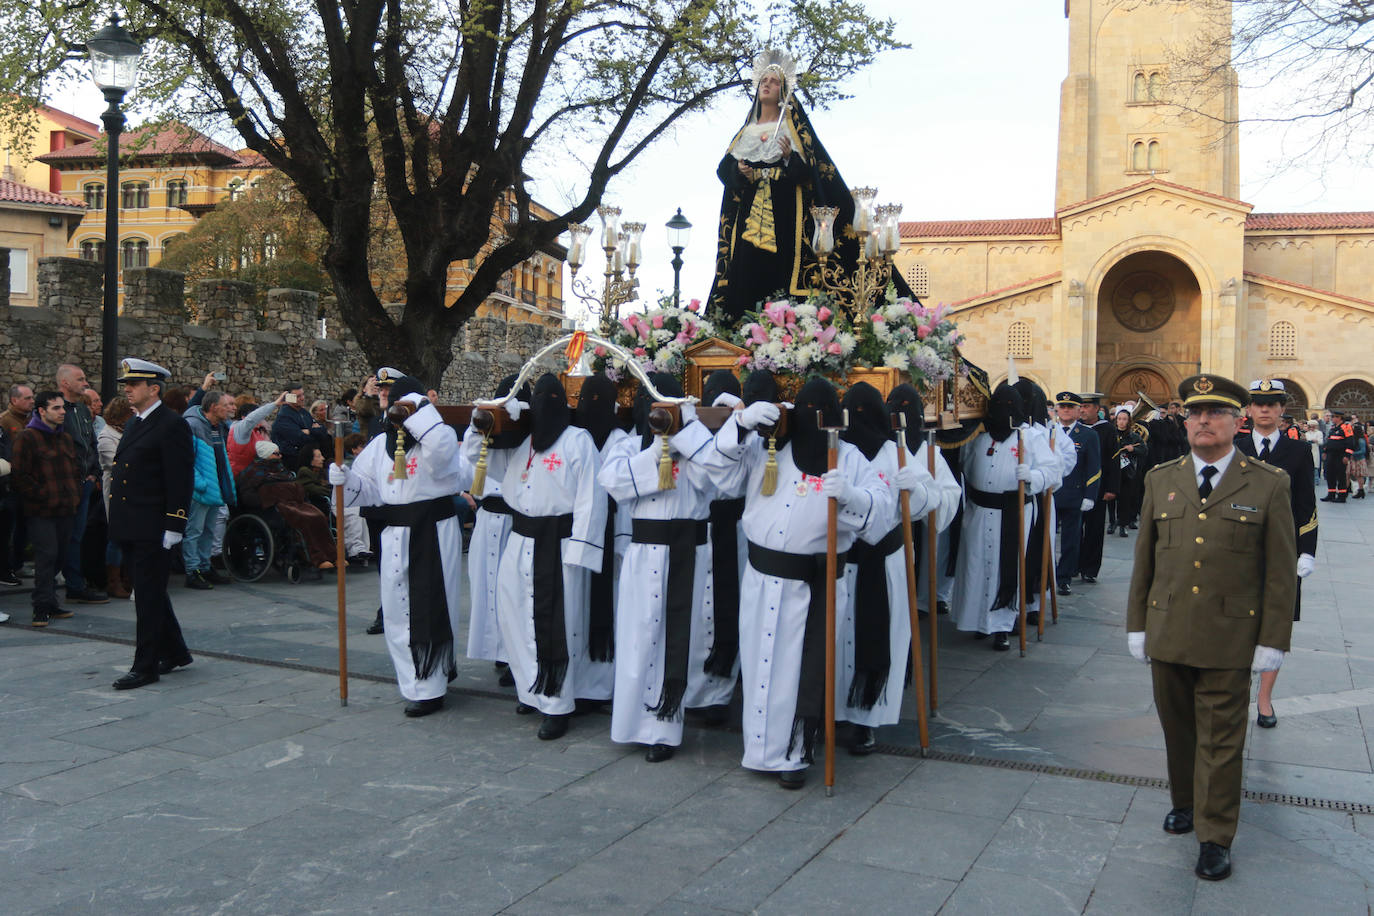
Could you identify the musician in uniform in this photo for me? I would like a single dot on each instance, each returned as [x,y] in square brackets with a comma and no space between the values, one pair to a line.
[1077,495]
[1211,598]
[150,490]
[1095,519]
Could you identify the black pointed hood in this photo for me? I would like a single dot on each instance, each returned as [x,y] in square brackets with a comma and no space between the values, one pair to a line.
[722,381]
[906,399]
[1005,412]
[808,438]
[1033,401]
[596,408]
[869,426]
[511,437]
[549,414]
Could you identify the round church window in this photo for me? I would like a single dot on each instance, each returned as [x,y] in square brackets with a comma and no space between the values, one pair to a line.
[1143,301]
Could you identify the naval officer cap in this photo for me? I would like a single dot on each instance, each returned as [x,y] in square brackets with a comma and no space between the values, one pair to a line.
[389,376]
[1092,397]
[1268,391]
[1068,399]
[140,370]
[1211,391]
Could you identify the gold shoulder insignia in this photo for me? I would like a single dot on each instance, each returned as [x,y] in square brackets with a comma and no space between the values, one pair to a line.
[180,513]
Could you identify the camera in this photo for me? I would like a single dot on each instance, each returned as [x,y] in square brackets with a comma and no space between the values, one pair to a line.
[219,376]
[290,398]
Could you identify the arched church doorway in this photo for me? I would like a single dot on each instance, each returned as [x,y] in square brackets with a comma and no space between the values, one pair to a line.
[1297,399]
[1149,322]
[1352,396]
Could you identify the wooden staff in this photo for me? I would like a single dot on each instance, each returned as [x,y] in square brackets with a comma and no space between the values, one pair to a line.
[1049,542]
[1021,539]
[931,584]
[341,564]
[918,676]
[832,461]
[1046,556]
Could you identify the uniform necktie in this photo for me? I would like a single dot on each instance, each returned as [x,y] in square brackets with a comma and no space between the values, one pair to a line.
[1207,474]
[1264,452]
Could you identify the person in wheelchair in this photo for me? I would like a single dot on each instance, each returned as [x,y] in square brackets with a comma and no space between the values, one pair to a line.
[267,484]
[310,475]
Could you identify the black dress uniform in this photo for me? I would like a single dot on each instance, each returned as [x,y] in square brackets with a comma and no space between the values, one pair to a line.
[1095,520]
[150,489]
[1078,485]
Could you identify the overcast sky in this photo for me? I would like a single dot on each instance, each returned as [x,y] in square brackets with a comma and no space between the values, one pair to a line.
[963,125]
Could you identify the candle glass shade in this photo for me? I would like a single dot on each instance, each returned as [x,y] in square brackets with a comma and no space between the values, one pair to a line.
[823,239]
[633,250]
[890,232]
[618,254]
[577,253]
[610,220]
[863,208]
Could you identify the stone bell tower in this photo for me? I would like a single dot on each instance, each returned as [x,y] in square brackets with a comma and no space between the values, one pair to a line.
[1130,110]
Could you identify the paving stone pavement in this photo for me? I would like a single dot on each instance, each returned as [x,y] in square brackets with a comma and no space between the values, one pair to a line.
[241,785]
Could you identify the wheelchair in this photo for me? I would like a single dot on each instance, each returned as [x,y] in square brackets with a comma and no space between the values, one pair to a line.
[258,540]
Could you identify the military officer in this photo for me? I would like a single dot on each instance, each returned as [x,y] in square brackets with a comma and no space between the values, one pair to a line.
[1211,520]
[1267,442]
[150,488]
[1095,519]
[1078,493]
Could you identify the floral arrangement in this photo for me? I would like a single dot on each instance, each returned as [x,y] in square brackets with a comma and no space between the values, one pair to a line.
[658,339]
[798,338]
[908,336]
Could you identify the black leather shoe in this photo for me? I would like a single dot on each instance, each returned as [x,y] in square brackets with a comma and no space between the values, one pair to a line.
[523,709]
[1087,578]
[942,608]
[1001,642]
[198,582]
[167,665]
[1064,589]
[87,596]
[417,708]
[1123,531]
[863,742]
[136,679]
[506,679]
[1213,862]
[60,613]
[658,753]
[1179,821]
[553,728]
[1264,721]
[792,779]
[376,627]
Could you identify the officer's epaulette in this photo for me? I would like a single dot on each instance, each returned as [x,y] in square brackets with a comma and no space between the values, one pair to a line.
[1176,463]
[1271,468]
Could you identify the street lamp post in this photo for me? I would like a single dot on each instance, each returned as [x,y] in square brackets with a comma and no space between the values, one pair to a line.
[679,231]
[114,68]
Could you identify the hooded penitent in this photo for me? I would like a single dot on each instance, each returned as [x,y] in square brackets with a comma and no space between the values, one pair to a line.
[596,413]
[760,385]
[644,403]
[808,436]
[725,517]
[869,426]
[905,399]
[1005,412]
[512,436]
[722,381]
[1033,401]
[596,408]
[548,412]
[403,386]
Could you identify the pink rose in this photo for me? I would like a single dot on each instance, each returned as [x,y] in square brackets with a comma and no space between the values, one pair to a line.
[877,318]
[743,360]
[834,348]
[658,321]
[683,337]
[599,350]
[923,331]
[628,323]
[694,305]
[640,351]
[787,339]
[827,335]
[757,334]
[823,314]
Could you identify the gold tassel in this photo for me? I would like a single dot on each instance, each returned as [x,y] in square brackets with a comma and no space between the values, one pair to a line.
[770,470]
[479,474]
[666,481]
[399,471]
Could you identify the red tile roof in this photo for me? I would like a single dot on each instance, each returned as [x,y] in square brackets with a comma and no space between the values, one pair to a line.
[1265,278]
[979,228]
[1032,283]
[14,192]
[1152,181]
[70,121]
[1291,222]
[149,142]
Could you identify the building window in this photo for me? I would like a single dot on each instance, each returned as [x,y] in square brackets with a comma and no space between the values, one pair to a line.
[1156,91]
[93,250]
[1283,340]
[94,194]
[270,246]
[1138,156]
[1140,88]
[918,278]
[235,189]
[135,253]
[1156,156]
[19,270]
[172,240]
[176,193]
[134,196]
[1019,340]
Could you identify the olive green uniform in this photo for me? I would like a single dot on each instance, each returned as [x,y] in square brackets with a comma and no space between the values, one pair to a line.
[1213,579]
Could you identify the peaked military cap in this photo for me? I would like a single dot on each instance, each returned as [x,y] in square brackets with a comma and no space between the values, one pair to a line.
[1268,391]
[1066,398]
[1211,390]
[140,370]
[388,376]
[1091,397]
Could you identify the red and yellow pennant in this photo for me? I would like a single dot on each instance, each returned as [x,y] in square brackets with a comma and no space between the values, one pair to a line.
[575,348]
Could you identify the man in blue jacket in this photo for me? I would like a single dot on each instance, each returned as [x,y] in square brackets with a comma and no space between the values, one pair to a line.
[1077,494]
[294,425]
[213,487]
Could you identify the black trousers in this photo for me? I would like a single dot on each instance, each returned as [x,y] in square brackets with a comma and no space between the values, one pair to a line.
[1070,541]
[1090,550]
[158,634]
[1337,482]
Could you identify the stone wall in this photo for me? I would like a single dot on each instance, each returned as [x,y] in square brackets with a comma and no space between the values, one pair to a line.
[225,336]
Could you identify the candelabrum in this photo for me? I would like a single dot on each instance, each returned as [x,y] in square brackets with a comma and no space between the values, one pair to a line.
[879,236]
[621,242]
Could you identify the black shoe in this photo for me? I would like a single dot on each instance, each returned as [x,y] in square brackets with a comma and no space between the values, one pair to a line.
[60,613]
[1001,642]
[1064,589]
[87,596]
[197,581]
[1264,721]
[1328,499]
[942,608]
[417,708]
[1088,578]
[40,617]
[376,627]
[553,727]
[1213,862]
[10,579]
[167,665]
[863,742]
[657,753]
[136,679]
[711,715]
[1179,821]
[214,578]
[506,679]
[1134,526]
[792,779]
[583,707]
[523,709]
[361,559]
[1123,531]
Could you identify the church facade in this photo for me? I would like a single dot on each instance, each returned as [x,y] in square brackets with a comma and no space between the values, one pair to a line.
[1151,268]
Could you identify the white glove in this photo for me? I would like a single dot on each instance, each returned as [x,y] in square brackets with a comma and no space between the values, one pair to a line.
[760,413]
[908,478]
[338,475]
[688,412]
[1024,472]
[1087,506]
[515,407]
[1135,642]
[170,539]
[726,399]
[1306,563]
[414,398]
[835,486]
[1267,659]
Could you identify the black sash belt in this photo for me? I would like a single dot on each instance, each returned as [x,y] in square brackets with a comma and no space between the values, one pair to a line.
[681,537]
[496,504]
[872,618]
[550,625]
[431,633]
[1008,571]
[601,598]
[725,516]
[808,568]
[994,500]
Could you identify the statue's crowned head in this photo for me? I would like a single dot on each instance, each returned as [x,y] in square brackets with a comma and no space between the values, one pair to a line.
[780,64]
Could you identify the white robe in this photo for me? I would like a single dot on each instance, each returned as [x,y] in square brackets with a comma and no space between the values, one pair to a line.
[489,533]
[436,469]
[596,680]
[977,572]
[773,610]
[630,476]
[558,481]
[947,496]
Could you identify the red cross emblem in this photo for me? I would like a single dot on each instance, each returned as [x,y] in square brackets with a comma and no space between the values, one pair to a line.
[553,462]
[813,482]
[882,477]
[411,465]
[676,470]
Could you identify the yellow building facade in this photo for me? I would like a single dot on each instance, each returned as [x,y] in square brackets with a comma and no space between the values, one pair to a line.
[1151,269]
